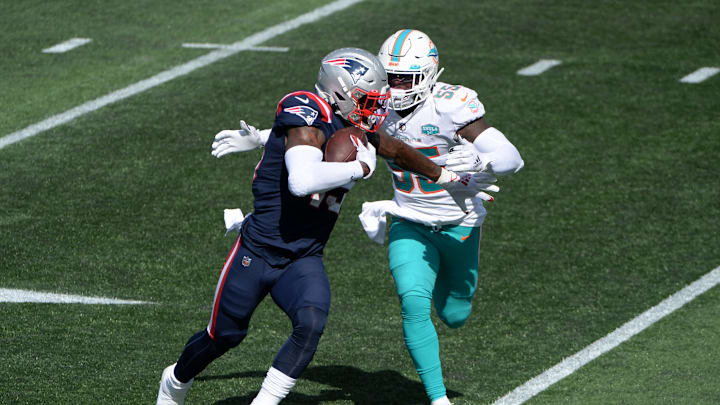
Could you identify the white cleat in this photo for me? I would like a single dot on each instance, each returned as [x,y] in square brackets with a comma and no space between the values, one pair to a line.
[172,391]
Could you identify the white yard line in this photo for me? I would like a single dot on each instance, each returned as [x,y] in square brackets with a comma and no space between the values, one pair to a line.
[10,295]
[219,46]
[538,67]
[609,342]
[177,71]
[700,75]
[67,45]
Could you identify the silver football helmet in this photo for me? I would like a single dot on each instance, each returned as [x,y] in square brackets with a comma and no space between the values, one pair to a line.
[354,83]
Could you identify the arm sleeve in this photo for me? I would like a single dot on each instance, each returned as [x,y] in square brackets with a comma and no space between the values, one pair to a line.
[503,156]
[308,173]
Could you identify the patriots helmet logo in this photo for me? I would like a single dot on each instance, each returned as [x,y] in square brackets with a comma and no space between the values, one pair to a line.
[354,67]
[306,113]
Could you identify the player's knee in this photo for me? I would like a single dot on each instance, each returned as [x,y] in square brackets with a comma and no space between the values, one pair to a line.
[309,324]
[227,341]
[454,318]
[415,307]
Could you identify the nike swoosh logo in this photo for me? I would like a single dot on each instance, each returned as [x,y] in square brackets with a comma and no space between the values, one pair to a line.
[464,237]
[304,100]
[464,98]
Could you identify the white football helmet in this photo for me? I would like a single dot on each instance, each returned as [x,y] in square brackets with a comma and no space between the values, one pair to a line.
[411,61]
[354,83]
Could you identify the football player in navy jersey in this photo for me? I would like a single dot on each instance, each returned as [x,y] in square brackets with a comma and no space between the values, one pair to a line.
[297,198]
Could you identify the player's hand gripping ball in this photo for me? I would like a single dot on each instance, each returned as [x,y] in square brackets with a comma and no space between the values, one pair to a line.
[340,148]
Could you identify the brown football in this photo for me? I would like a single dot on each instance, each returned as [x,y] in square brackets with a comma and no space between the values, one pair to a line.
[339,148]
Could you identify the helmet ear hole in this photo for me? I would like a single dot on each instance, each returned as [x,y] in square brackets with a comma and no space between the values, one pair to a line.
[339,96]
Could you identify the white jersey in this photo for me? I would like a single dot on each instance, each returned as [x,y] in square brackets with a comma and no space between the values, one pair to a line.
[431,129]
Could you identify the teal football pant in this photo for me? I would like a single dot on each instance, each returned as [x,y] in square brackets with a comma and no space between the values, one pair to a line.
[432,265]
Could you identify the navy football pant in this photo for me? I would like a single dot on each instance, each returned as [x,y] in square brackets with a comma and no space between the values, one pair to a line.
[301,289]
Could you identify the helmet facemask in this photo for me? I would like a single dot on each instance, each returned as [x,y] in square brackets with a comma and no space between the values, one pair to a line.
[421,85]
[370,109]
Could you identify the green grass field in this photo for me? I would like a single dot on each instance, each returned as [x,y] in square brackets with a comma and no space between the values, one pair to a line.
[617,208]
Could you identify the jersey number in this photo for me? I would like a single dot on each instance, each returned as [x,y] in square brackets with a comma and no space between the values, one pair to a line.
[447,91]
[332,199]
[406,181]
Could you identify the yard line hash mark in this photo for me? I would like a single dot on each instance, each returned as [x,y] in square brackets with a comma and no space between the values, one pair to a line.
[538,67]
[71,43]
[177,71]
[609,342]
[220,46]
[700,75]
[12,295]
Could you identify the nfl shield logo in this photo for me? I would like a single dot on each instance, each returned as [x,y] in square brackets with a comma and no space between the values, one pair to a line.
[246,261]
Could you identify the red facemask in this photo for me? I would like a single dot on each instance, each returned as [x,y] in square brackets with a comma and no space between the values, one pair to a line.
[370,110]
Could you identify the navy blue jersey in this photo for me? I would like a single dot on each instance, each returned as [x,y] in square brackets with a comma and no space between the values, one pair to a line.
[284,227]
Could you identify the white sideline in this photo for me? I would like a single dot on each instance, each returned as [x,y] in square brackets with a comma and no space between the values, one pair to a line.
[609,342]
[177,71]
[11,295]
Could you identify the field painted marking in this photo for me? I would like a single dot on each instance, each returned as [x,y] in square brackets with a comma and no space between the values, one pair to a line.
[609,342]
[11,295]
[177,71]
[67,45]
[700,75]
[538,67]
[218,46]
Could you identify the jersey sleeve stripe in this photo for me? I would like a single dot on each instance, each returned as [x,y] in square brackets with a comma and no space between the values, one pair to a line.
[326,111]
[324,106]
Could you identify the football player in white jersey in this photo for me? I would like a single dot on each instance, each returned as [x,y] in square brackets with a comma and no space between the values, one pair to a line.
[434,239]
[433,246]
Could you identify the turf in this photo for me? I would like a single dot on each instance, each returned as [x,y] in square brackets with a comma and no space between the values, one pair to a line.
[616,208]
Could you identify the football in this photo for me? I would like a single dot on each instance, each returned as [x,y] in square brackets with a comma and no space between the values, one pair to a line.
[339,148]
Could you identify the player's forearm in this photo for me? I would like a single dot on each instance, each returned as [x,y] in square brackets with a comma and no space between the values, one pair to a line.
[405,156]
[309,174]
[410,159]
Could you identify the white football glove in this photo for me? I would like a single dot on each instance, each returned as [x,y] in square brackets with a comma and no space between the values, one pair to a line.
[465,158]
[467,186]
[234,140]
[365,154]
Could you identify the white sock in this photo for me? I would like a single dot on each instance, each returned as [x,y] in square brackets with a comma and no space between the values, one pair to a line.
[441,401]
[274,388]
[175,383]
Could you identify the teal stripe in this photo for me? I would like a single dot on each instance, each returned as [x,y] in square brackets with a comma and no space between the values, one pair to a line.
[399,44]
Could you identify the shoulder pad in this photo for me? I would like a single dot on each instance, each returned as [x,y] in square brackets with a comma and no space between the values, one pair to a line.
[449,98]
[460,104]
[303,106]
